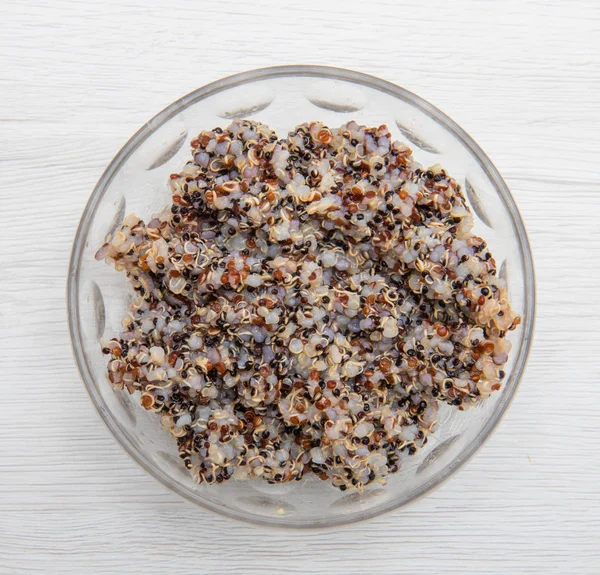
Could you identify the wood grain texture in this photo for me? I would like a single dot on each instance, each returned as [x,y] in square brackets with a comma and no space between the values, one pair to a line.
[78,78]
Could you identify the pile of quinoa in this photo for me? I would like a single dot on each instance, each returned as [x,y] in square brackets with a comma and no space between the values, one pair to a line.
[305,303]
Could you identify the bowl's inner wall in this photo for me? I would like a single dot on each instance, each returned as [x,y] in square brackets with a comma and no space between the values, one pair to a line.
[139,184]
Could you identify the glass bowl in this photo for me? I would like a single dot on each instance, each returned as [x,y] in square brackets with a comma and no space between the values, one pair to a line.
[282,97]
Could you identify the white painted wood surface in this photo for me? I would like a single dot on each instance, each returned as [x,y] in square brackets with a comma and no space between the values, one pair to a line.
[77,78]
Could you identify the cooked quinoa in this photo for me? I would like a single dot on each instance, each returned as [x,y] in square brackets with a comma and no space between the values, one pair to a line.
[305,303]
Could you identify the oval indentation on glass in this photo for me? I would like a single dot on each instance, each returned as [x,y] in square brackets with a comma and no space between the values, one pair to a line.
[358,498]
[340,97]
[436,453]
[243,101]
[335,106]
[503,273]
[125,402]
[164,457]
[245,112]
[477,204]
[168,151]
[99,310]
[119,216]
[416,140]
[266,505]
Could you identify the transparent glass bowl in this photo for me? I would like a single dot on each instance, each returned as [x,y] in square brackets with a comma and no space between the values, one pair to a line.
[282,97]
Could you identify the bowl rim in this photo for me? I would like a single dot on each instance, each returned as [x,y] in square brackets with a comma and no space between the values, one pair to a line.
[331,73]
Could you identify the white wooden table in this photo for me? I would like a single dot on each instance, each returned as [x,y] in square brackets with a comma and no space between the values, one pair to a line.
[78,78]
